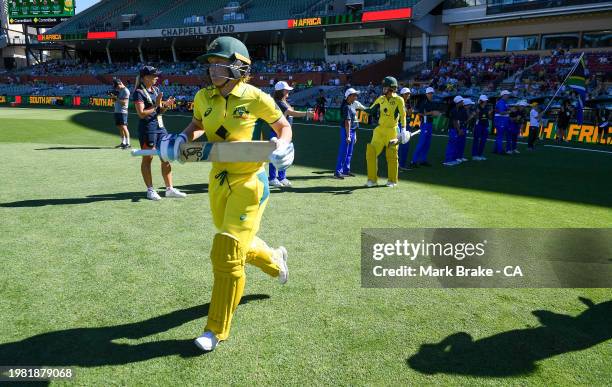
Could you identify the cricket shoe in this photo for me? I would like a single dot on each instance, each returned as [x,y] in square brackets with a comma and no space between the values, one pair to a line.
[153,195]
[458,161]
[338,176]
[450,163]
[463,159]
[508,152]
[275,183]
[391,184]
[371,184]
[126,146]
[348,174]
[477,158]
[175,193]
[285,183]
[120,146]
[516,151]
[280,256]
[207,342]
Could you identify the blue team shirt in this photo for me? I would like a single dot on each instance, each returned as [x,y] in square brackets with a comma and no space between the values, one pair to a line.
[148,124]
[348,112]
[501,107]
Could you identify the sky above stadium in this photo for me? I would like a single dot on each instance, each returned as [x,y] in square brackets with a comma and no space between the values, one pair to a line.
[82,5]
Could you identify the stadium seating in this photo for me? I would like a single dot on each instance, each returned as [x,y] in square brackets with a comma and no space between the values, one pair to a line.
[175,16]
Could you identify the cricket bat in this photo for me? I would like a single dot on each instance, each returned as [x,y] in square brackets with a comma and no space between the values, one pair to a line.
[225,152]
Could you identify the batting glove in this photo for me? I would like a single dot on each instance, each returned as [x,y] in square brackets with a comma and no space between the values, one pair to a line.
[169,146]
[404,136]
[283,156]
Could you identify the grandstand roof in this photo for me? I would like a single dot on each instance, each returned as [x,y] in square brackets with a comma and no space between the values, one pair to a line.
[112,15]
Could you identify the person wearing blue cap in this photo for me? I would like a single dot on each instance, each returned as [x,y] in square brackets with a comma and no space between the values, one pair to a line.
[501,121]
[427,111]
[149,104]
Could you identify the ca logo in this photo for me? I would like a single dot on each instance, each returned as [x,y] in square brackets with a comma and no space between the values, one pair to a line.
[207,112]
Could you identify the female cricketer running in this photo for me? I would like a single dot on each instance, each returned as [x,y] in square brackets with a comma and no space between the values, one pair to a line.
[392,111]
[226,109]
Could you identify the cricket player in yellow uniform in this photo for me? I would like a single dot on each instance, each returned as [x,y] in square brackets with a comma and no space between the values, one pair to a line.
[226,110]
[391,109]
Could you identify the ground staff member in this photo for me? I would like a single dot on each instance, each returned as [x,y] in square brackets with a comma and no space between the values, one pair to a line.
[149,104]
[226,109]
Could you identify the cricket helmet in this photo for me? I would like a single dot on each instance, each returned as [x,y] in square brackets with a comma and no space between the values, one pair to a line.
[390,82]
[229,48]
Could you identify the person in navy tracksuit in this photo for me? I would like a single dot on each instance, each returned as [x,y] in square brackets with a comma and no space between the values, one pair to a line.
[501,121]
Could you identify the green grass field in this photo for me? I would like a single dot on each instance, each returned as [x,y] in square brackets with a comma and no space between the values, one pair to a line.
[98,278]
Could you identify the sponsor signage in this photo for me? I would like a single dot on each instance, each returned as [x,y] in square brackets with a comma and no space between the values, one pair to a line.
[203,30]
[39,11]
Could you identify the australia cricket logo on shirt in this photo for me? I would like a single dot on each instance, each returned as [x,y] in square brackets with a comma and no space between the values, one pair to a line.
[207,112]
[241,112]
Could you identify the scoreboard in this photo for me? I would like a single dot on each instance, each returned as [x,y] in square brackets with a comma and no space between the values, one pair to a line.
[41,12]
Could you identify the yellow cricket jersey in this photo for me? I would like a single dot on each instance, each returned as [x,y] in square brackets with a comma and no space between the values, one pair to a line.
[392,110]
[233,118]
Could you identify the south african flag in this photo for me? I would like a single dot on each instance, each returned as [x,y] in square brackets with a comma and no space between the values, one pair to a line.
[577,82]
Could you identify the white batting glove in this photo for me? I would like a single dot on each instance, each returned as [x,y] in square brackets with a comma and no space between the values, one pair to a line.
[404,136]
[283,156]
[169,146]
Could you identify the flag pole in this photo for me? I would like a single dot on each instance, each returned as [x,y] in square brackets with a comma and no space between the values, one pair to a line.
[563,83]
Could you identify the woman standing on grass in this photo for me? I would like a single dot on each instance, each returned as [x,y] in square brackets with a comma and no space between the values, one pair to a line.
[150,107]
[281,93]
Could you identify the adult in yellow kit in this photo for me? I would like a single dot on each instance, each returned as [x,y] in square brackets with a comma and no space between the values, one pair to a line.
[391,109]
[226,109]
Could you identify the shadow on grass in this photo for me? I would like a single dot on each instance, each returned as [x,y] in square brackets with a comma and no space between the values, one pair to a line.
[549,173]
[132,196]
[75,148]
[334,190]
[516,352]
[91,347]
